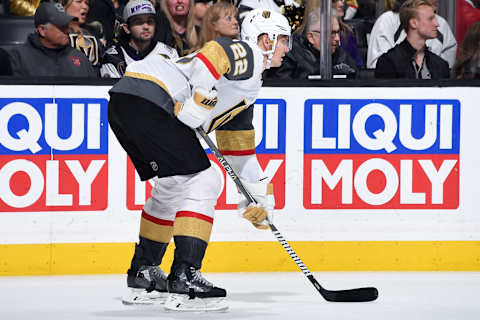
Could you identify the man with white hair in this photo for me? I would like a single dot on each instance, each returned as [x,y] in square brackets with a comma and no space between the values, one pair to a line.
[153,112]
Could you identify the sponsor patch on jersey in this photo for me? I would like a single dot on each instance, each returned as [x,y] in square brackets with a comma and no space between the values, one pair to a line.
[381,154]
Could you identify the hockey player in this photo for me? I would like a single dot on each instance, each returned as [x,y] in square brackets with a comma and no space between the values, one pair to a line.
[137,42]
[153,110]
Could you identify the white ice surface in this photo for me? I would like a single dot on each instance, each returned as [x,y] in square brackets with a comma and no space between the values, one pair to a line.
[253,296]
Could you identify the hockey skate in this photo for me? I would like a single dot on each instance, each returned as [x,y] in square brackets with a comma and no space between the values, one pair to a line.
[190,291]
[146,286]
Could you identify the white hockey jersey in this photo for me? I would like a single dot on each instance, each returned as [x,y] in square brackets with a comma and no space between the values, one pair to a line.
[116,59]
[232,67]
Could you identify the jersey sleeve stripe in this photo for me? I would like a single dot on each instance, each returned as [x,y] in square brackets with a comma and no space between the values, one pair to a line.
[148,77]
[209,65]
[215,58]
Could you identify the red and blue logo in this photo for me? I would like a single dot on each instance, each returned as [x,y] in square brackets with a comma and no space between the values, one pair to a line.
[53,154]
[270,131]
[381,154]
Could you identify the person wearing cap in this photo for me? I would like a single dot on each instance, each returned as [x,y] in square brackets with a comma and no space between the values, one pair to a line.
[85,37]
[137,41]
[47,51]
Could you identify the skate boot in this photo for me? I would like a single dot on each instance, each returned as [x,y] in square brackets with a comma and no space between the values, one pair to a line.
[148,285]
[190,291]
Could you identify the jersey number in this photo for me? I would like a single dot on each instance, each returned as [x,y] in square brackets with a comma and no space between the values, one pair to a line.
[239,54]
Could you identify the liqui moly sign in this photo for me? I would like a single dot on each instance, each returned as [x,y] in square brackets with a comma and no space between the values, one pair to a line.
[381,154]
[53,154]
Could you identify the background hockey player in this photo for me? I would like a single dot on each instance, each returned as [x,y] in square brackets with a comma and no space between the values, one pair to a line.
[153,111]
[137,40]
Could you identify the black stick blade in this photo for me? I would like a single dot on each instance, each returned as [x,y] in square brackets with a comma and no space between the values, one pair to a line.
[352,295]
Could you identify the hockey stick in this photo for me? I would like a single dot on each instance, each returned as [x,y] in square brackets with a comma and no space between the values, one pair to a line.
[350,295]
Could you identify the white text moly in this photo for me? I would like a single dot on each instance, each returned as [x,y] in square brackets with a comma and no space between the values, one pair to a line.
[384,139]
[403,180]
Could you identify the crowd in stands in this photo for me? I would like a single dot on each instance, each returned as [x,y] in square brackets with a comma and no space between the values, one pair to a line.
[99,38]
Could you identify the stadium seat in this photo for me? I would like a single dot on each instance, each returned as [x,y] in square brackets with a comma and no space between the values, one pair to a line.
[15,30]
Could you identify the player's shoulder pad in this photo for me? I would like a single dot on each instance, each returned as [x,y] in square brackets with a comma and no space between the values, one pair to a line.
[241,58]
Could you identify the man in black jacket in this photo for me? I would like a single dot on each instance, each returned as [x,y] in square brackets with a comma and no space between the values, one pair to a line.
[411,59]
[47,51]
[304,58]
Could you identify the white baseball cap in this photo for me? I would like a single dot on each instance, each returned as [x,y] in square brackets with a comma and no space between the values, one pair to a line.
[137,7]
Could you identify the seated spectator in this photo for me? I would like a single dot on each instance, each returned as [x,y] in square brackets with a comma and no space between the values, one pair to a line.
[104,12]
[5,66]
[411,58]
[47,51]
[200,9]
[176,25]
[304,59]
[83,37]
[468,12]
[387,32]
[220,20]
[366,10]
[347,39]
[468,64]
[137,41]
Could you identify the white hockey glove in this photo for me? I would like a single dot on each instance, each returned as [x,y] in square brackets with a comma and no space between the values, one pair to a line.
[257,214]
[196,109]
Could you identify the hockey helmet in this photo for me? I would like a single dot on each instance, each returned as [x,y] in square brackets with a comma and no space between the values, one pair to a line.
[261,21]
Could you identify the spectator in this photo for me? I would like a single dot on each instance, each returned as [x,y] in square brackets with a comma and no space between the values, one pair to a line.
[47,51]
[304,59]
[220,21]
[411,58]
[5,66]
[387,32]
[201,7]
[367,10]
[104,11]
[176,25]
[138,41]
[85,38]
[468,12]
[347,39]
[468,64]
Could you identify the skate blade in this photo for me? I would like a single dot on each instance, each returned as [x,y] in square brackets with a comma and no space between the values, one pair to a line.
[181,302]
[142,297]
